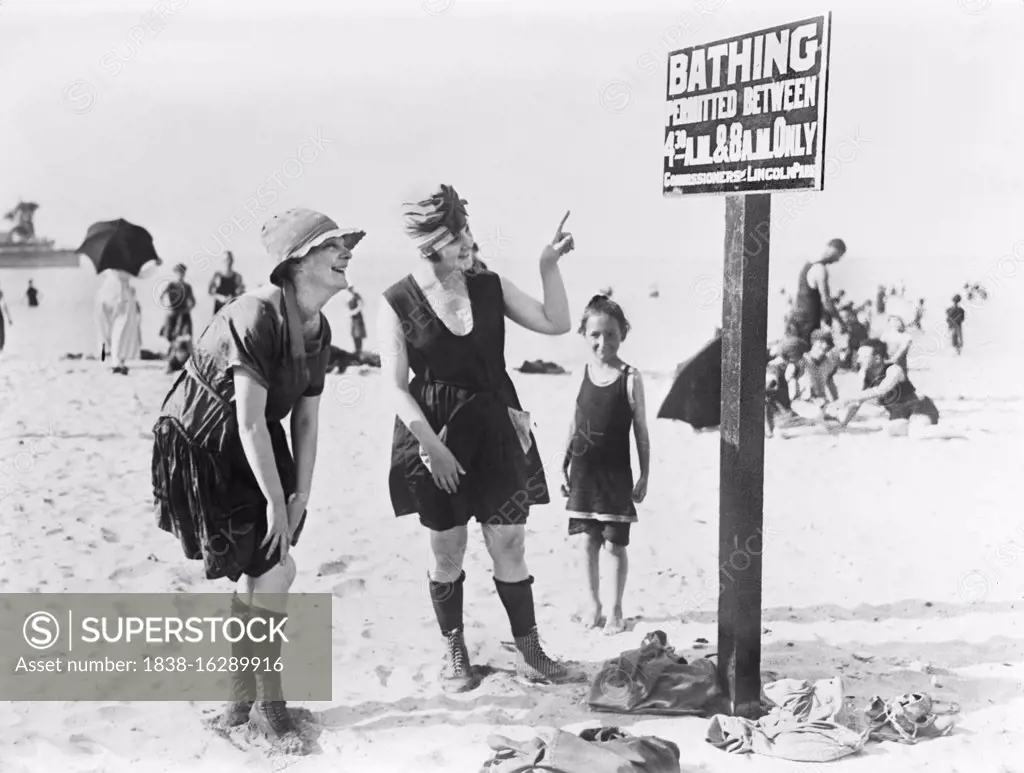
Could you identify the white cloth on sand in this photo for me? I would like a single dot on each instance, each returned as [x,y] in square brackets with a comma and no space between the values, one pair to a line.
[806,724]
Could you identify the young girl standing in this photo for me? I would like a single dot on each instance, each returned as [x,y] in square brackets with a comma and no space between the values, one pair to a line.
[598,474]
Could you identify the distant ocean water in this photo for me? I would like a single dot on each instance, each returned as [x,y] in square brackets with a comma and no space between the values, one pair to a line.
[665,330]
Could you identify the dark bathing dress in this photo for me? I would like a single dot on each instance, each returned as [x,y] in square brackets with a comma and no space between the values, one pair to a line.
[226,284]
[206,493]
[808,311]
[464,390]
[601,474]
[179,320]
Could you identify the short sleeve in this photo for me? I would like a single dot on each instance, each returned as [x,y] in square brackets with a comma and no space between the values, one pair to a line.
[252,339]
[318,368]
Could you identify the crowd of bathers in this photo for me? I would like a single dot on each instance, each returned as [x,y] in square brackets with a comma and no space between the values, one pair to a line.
[827,334]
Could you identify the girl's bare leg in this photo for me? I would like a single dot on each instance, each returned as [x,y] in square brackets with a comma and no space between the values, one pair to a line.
[590,549]
[620,561]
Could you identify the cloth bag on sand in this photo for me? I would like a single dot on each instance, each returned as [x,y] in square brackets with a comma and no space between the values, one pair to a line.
[799,699]
[654,680]
[805,724]
[596,750]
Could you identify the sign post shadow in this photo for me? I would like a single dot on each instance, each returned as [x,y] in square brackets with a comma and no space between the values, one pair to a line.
[746,117]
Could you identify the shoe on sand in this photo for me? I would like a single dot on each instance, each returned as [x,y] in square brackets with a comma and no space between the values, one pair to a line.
[457,675]
[533,664]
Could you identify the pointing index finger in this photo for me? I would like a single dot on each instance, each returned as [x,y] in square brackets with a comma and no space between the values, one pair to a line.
[562,224]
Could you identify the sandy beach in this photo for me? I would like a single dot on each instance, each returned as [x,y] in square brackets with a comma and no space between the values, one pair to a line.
[895,563]
[884,563]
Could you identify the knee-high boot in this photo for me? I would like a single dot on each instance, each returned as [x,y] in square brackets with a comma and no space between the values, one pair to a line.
[531,662]
[447,598]
[270,711]
[243,681]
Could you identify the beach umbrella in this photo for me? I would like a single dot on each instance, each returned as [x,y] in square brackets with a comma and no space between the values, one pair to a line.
[118,244]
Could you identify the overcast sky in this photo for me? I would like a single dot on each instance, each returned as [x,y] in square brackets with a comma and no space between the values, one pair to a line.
[528,108]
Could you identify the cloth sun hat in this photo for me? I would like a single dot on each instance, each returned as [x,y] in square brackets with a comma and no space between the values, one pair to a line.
[293,233]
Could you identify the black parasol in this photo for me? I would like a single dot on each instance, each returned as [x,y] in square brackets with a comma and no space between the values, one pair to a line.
[118,244]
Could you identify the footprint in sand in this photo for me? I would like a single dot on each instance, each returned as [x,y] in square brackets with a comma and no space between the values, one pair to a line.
[81,744]
[108,535]
[118,713]
[129,572]
[333,567]
[349,587]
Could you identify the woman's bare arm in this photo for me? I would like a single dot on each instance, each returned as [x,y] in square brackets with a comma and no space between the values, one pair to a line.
[250,407]
[305,432]
[394,363]
[550,317]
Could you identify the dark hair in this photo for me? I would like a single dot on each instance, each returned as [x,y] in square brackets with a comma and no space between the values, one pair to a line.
[792,348]
[878,347]
[822,335]
[442,208]
[602,304]
[838,244]
[285,270]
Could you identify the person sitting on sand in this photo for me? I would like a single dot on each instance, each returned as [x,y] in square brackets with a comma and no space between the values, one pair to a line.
[898,342]
[816,384]
[602,496]
[856,334]
[886,386]
[782,371]
[226,483]
[462,446]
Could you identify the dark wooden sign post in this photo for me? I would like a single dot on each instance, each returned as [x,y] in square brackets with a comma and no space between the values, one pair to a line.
[746,117]
[741,475]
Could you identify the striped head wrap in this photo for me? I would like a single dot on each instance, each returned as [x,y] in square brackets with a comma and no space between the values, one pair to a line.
[437,221]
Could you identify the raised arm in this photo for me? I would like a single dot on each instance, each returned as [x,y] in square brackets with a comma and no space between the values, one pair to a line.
[550,316]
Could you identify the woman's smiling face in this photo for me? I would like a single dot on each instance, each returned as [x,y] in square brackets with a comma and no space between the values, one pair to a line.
[457,256]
